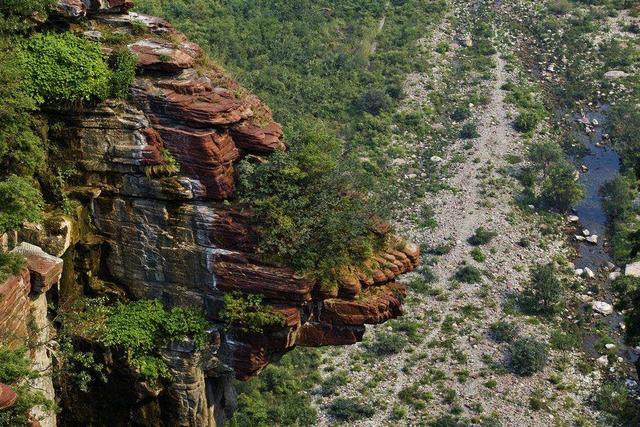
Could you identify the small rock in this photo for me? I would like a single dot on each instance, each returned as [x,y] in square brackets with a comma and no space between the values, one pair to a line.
[437,159]
[614,275]
[580,238]
[586,232]
[609,346]
[573,218]
[602,307]
[578,272]
[584,168]
[589,273]
[615,74]
[595,122]
[602,361]
[611,265]
[592,239]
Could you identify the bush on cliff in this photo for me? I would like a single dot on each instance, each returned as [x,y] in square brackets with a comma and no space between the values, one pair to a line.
[15,14]
[64,68]
[123,64]
[20,201]
[249,314]
[15,369]
[138,330]
[312,214]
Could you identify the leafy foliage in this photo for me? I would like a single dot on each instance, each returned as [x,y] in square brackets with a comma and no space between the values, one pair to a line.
[15,369]
[278,396]
[503,331]
[544,291]
[64,68]
[482,236]
[308,208]
[528,356]
[15,14]
[123,64]
[249,313]
[20,202]
[344,409]
[139,330]
[551,179]
[10,265]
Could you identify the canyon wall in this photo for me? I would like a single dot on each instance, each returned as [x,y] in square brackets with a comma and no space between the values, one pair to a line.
[157,188]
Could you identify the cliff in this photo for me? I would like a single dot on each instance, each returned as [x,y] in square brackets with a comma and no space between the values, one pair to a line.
[160,221]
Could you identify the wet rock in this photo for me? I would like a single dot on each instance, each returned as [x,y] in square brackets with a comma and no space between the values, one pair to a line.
[586,232]
[578,272]
[580,238]
[602,307]
[573,218]
[592,239]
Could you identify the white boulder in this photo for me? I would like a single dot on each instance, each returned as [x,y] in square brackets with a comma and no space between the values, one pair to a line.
[602,307]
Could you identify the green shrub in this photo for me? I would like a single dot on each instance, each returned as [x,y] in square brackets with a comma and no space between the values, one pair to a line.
[249,314]
[332,383]
[526,121]
[64,68]
[461,114]
[15,369]
[565,340]
[544,291]
[15,15]
[614,399]
[503,331]
[344,409]
[468,274]
[482,236]
[478,255]
[387,343]
[20,201]
[279,395]
[10,265]
[528,356]
[560,190]
[141,329]
[123,65]
[307,209]
[469,131]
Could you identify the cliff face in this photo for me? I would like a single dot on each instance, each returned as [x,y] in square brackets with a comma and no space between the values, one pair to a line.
[176,234]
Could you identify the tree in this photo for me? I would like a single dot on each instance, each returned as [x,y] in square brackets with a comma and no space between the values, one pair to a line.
[544,290]
[528,355]
[545,154]
[560,190]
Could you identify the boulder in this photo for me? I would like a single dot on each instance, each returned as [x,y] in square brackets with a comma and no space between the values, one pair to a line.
[632,269]
[161,55]
[602,307]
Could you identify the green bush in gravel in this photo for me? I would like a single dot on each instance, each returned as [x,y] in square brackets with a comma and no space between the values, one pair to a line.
[528,356]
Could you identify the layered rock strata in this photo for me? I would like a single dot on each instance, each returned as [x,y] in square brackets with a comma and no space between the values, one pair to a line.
[159,180]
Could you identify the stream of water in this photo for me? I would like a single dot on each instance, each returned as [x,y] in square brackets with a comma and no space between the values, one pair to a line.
[603,165]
